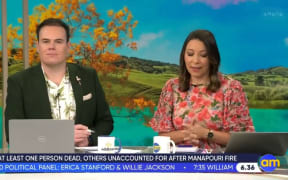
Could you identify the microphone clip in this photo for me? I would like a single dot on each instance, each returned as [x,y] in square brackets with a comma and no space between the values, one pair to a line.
[78,80]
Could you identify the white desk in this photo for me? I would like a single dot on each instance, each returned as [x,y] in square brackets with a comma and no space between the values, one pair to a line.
[141,176]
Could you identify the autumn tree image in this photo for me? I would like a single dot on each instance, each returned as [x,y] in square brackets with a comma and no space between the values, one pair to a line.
[14,43]
[96,39]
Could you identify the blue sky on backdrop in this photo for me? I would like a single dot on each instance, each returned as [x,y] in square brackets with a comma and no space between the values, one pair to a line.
[251,34]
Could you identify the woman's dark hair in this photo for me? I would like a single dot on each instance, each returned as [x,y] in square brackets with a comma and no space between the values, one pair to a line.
[53,22]
[214,60]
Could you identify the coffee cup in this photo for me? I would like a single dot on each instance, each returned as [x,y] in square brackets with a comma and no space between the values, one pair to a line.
[106,144]
[162,144]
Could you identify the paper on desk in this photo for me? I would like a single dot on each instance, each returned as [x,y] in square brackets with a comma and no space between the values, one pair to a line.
[187,149]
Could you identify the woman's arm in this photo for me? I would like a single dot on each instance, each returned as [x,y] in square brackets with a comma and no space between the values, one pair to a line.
[219,137]
[177,136]
[162,120]
[236,112]
[182,136]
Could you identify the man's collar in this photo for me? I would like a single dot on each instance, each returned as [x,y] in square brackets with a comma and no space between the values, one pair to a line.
[66,76]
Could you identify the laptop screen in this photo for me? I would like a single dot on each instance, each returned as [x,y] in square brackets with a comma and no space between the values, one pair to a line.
[258,142]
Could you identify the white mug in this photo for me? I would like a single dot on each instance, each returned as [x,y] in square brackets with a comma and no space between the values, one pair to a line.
[161,144]
[106,144]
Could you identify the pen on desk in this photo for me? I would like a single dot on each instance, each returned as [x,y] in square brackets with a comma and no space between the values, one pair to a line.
[90,131]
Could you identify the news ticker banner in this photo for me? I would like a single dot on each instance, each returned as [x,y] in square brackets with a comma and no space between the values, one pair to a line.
[204,163]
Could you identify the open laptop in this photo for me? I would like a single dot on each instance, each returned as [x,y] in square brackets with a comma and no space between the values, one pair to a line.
[41,136]
[275,143]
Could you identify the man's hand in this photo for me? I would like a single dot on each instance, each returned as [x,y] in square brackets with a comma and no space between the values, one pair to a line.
[81,135]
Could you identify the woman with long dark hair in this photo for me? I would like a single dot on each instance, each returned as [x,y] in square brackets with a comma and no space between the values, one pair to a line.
[202,106]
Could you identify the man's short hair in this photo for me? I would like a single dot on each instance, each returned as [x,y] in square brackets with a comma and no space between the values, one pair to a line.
[53,22]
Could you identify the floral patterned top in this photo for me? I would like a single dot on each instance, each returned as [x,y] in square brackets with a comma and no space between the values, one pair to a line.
[225,110]
[61,98]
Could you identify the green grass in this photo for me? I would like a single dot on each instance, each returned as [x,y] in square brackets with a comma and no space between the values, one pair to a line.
[272,104]
[274,93]
[153,80]
[15,68]
[139,84]
[126,88]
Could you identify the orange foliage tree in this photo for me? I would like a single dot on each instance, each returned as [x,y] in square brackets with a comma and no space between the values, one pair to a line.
[14,43]
[86,22]
[103,37]
[14,39]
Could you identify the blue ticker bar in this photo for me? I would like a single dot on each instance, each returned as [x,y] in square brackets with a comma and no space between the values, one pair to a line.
[116,167]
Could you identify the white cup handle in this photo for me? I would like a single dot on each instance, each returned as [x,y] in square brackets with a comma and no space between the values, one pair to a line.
[173,147]
[119,144]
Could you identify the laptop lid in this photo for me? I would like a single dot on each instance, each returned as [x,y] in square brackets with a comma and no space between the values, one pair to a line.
[258,142]
[41,136]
